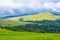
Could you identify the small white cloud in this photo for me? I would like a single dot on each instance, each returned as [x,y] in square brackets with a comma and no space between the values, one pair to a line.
[57,5]
[48,5]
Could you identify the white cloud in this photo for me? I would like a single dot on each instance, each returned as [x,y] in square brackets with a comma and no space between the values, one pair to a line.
[53,6]
[10,4]
[23,5]
[33,4]
[48,5]
[56,7]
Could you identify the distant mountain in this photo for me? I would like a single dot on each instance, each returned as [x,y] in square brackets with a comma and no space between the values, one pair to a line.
[56,13]
[38,16]
[19,15]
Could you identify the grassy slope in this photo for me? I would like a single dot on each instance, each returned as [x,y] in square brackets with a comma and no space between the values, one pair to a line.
[11,23]
[39,16]
[15,21]
[11,35]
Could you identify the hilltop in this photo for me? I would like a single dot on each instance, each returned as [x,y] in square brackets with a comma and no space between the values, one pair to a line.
[38,16]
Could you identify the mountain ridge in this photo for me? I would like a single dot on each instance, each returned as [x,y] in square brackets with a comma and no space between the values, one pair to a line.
[38,16]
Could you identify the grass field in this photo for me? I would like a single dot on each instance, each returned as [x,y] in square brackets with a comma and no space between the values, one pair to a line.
[11,35]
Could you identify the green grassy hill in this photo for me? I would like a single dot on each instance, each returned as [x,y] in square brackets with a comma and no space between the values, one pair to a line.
[17,24]
[6,34]
[11,35]
[39,16]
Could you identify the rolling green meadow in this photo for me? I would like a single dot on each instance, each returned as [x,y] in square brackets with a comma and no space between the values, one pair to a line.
[11,35]
[29,27]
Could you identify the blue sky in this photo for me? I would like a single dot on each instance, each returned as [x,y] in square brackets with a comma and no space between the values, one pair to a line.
[15,7]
